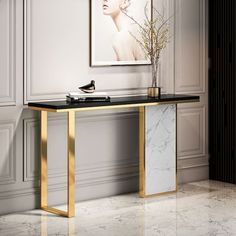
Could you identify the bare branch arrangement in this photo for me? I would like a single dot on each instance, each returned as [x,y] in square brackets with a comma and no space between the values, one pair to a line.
[154,37]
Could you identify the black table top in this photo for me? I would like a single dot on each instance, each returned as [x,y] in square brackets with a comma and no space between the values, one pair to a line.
[116,101]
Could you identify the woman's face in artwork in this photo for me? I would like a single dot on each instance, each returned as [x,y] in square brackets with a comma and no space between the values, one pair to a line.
[113,7]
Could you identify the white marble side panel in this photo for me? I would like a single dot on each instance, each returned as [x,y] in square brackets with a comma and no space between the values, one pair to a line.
[160,149]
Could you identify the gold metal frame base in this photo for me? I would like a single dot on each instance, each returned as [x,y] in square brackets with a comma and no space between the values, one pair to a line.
[157,194]
[56,211]
[70,167]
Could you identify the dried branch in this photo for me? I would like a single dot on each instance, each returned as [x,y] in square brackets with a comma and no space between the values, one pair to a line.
[153,37]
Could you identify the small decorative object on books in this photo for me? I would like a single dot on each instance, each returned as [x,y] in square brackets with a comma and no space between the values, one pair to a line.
[87,94]
[75,97]
[154,37]
[88,88]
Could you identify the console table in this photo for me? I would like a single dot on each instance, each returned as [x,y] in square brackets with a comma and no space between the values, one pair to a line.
[157,143]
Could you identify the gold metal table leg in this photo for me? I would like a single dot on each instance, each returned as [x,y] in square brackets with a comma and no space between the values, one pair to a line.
[142,152]
[44,174]
[70,166]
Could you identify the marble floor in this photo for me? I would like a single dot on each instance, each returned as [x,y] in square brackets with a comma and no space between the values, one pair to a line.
[200,208]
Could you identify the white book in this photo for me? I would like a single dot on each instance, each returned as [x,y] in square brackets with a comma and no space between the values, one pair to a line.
[81,95]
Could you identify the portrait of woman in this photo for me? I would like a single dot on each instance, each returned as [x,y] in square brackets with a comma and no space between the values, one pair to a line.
[113,34]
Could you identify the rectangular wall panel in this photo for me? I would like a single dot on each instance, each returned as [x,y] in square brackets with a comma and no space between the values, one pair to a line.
[7,147]
[31,149]
[7,52]
[191,77]
[191,132]
[96,139]
[57,52]
[190,46]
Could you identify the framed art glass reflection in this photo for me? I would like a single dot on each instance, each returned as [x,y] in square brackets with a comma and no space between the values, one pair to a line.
[113,35]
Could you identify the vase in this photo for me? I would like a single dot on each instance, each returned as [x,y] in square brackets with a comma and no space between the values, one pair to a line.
[154,91]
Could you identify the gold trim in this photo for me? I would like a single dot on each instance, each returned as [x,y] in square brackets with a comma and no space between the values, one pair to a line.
[55,211]
[159,194]
[112,106]
[71,164]
[41,109]
[142,152]
[43,151]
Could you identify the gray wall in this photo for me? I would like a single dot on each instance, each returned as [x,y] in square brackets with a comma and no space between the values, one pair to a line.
[47,54]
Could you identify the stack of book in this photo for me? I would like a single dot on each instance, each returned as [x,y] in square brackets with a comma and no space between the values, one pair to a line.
[74,97]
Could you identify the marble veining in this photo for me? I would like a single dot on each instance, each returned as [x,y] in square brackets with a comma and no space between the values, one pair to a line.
[197,209]
[160,149]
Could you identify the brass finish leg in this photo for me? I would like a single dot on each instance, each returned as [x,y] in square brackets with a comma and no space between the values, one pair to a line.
[142,152]
[44,174]
[71,164]
[70,167]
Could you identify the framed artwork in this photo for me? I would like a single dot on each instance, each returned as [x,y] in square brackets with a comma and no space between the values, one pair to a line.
[113,35]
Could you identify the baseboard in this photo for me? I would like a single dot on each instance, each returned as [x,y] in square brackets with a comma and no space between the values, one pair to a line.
[57,196]
[28,199]
[193,174]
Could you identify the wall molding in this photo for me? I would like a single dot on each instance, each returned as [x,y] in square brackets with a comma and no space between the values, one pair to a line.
[189,157]
[28,125]
[63,185]
[193,166]
[167,68]
[29,95]
[8,128]
[9,97]
[180,86]
[168,73]
[32,124]
[33,191]
[199,111]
